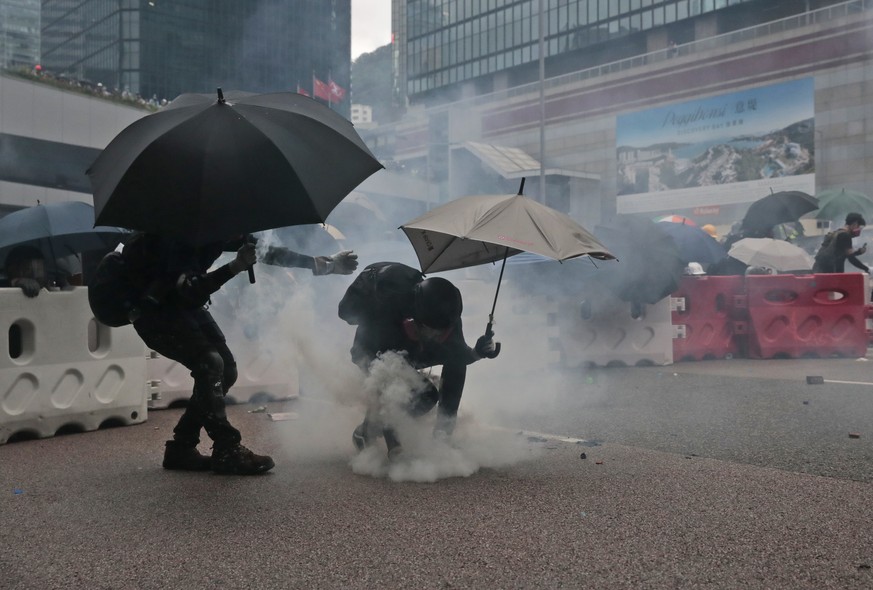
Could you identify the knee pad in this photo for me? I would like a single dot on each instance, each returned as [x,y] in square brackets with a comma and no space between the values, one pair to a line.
[210,368]
[230,376]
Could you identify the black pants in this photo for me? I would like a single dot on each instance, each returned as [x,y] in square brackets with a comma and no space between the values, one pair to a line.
[423,401]
[191,337]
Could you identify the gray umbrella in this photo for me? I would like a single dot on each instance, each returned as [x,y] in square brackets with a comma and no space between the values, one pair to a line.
[485,228]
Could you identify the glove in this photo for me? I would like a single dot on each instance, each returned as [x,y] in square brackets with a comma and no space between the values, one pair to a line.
[246,257]
[30,287]
[342,263]
[486,347]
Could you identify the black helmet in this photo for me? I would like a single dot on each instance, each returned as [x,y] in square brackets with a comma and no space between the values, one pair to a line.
[437,303]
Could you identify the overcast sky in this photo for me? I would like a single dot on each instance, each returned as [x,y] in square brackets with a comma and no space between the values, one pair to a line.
[371,25]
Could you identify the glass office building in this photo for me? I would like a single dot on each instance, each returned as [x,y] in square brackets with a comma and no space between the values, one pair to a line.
[449,42]
[19,33]
[163,48]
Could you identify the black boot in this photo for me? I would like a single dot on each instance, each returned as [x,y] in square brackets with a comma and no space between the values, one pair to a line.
[238,460]
[184,457]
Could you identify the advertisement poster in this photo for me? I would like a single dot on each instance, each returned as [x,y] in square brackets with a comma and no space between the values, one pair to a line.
[724,149]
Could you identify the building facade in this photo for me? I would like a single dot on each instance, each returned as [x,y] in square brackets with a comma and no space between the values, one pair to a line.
[164,49]
[701,115]
[19,33]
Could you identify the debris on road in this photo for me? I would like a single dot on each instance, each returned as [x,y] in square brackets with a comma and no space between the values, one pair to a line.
[258,410]
[854,435]
[598,462]
[282,416]
[583,456]
[814,380]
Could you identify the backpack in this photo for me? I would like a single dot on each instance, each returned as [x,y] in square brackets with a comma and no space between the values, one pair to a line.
[825,251]
[381,289]
[111,292]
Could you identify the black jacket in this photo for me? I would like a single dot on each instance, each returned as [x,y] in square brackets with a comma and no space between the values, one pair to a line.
[380,319]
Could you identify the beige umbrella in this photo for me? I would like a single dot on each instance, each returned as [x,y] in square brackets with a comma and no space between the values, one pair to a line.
[486,228]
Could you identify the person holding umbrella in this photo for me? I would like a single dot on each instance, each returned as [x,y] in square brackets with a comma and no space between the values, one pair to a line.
[837,247]
[396,309]
[174,283]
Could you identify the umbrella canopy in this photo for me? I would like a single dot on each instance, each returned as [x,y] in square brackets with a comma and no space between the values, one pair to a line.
[835,204]
[485,228]
[676,219]
[206,170]
[777,208]
[57,230]
[649,266]
[776,254]
[694,244]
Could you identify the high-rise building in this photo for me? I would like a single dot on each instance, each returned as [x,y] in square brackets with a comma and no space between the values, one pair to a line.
[19,33]
[695,107]
[448,49]
[162,49]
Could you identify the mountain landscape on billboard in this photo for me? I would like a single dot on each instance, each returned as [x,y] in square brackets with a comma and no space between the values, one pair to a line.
[675,165]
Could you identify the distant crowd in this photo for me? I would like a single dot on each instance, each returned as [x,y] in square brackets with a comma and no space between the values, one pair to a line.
[62,81]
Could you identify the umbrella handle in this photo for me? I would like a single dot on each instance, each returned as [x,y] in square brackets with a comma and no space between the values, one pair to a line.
[489,332]
[252,275]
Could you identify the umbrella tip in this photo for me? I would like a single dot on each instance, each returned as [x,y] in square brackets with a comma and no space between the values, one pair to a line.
[521,188]
[220,95]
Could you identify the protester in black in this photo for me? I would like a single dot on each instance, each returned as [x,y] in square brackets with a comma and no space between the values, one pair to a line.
[172,319]
[397,309]
[837,248]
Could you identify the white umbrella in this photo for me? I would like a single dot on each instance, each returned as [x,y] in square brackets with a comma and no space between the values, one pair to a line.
[767,252]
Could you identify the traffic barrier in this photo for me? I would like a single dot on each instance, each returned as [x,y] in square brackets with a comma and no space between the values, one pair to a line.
[61,370]
[599,330]
[707,323]
[794,316]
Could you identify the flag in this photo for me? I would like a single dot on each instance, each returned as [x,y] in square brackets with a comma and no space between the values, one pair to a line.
[301,90]
[337,92]
[320,89]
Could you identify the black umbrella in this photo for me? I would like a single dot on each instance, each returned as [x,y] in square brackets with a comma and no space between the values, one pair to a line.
[694,244]
[207,170]
[648,266]
[57,230]
[776,208]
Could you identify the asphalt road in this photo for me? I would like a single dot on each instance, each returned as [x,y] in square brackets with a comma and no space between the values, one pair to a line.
[722,474]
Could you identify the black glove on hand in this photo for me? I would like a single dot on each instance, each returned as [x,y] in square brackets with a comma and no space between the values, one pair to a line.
[486,347]
[30,287]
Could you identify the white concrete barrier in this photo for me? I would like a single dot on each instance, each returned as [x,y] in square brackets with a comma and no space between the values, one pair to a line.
[61,369]
[603,331]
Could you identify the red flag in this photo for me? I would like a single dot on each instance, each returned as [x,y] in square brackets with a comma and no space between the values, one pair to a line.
[337,92]
[320,89]
[301,90]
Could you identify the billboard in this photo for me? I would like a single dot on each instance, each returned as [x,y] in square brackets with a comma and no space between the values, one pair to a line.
[719,150]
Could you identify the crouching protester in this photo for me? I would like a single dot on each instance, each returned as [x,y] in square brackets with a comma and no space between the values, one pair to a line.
[162,286]
[397,309]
